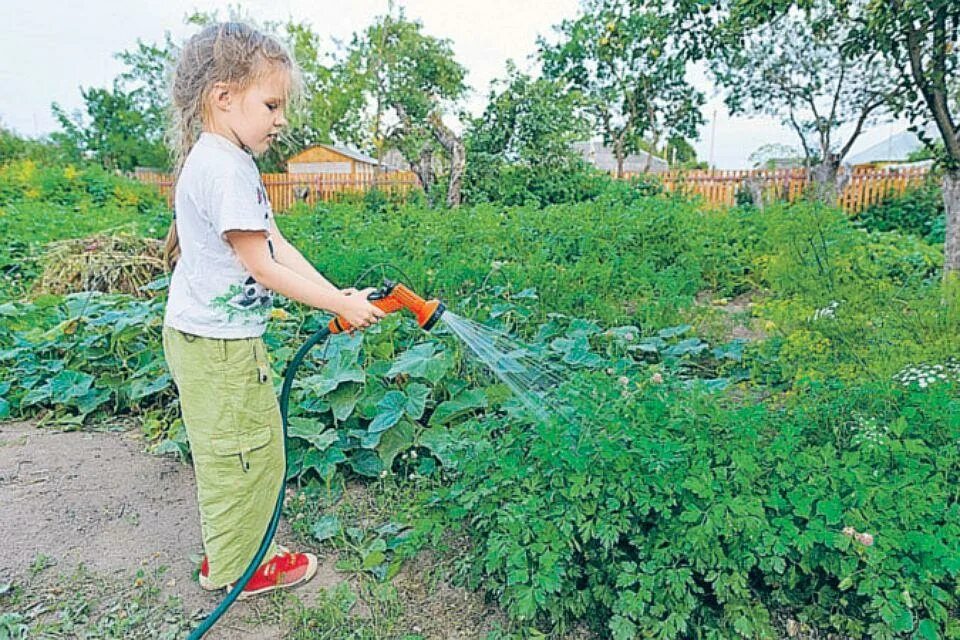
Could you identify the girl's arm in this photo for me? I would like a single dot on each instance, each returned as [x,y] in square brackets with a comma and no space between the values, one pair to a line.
[288,255]
[254,255]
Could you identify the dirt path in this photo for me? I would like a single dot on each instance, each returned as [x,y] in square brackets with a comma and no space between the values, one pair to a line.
[96,499]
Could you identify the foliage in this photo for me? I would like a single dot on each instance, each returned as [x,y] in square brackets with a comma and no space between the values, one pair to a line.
[40,203]
[918,211]
[81,354]
[671,509]
[625,61]
[122,127]
[520,150]
[637,263]
[794,67]
[397,78]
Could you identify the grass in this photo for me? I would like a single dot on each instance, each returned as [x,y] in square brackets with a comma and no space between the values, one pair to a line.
[86,605]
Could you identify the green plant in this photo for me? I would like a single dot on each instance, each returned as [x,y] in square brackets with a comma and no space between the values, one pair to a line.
[918,211]
[675,510]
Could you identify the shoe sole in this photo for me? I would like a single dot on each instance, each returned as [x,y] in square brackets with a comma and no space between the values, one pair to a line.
[310,572]
[206,585]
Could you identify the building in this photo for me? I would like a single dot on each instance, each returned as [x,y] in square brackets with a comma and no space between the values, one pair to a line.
[603,158]
[327,158]
[896,149]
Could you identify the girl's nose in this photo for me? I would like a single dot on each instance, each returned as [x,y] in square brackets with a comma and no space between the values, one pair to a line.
[282,120]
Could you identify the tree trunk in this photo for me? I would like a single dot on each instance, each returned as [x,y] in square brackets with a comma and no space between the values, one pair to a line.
[754,186]
[825,185]
[455,148]
[423,168]
[618,154]
[951,204]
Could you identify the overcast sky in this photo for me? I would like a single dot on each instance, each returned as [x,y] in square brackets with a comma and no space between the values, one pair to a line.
[50,48]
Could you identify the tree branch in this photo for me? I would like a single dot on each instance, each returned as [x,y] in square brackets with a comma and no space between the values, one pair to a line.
[867,110]
[803,140]
[935,100]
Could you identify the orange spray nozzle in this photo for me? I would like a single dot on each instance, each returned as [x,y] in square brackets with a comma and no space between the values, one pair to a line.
[393,296]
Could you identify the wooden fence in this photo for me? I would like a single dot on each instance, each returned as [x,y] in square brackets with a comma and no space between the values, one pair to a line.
[284,189]
[862,187]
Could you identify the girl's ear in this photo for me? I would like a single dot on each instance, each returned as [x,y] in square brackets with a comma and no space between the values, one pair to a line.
[221,97]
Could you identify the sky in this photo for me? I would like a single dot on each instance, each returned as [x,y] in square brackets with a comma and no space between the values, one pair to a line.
[50,48]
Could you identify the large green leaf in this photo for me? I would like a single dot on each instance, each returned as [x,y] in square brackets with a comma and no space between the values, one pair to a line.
[440,443]
[326,527]
[366,463]
[417,395]
[69,384]
[343,368]
[577,351]
[344,399]
[143,387]
[395,440]
[391,409]
[313,431]
[323,462]
[88,402]
[461,404]
[422,361]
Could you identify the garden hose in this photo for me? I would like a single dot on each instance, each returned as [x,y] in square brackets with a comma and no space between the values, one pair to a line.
[390,297]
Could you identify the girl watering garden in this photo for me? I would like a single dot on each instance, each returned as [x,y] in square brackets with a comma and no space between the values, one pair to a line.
[230,89]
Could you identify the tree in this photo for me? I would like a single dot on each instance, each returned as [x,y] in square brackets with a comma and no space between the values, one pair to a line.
[921,40]
[796,67]
[115,130]
[530,122]
[399,83]
[626,63]
[526,131]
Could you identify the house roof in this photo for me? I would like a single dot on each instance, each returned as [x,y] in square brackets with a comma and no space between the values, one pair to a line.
[895,148]
[603,158]
[353,154]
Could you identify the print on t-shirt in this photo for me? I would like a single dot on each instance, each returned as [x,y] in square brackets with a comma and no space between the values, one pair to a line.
[249,298]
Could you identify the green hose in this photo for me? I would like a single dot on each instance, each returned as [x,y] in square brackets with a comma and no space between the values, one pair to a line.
[321,334]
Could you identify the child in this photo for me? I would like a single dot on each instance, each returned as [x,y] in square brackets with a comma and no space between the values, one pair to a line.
[230,88]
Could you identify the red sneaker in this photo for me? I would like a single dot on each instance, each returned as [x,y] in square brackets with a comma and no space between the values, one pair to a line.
[285,569]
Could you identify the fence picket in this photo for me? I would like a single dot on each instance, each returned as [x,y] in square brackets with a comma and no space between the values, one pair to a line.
[717,188]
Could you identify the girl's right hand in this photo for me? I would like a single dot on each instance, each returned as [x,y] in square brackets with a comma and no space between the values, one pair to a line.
[357,310]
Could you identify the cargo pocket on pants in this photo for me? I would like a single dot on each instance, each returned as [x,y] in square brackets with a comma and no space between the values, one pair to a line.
[255,413]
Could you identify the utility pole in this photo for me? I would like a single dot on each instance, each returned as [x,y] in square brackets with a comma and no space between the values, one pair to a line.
[713,137]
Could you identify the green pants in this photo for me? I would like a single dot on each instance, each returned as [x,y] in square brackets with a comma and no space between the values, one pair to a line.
[233,424]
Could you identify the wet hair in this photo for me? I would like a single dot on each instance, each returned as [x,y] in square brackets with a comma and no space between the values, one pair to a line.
[232,53]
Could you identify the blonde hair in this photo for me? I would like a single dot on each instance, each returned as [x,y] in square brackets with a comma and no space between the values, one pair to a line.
[232,53]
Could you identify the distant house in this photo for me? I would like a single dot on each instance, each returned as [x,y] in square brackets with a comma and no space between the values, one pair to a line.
[327,158]
[894,150]
[603,158]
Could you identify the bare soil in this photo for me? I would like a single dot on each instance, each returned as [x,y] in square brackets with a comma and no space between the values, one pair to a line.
[94,499]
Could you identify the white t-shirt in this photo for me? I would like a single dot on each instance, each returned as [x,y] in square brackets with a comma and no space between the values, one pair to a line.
[211,294]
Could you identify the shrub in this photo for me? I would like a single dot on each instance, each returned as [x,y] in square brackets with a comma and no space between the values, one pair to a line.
[665,508]
[919,210]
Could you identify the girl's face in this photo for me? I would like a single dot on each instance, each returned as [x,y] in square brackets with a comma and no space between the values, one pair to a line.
[251,118]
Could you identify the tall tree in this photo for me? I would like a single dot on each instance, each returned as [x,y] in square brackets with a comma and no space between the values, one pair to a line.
[797,67]
[527,121]
[402,83]
[626,61]
[528,128]
[922,40]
